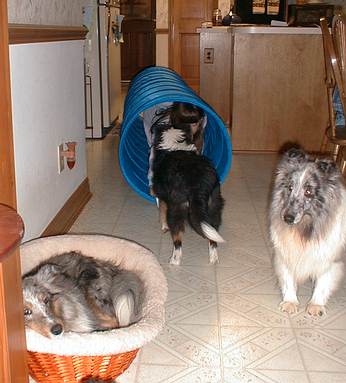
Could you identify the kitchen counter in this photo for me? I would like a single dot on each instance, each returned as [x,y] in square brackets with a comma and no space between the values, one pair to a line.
[261,29]
[266,83]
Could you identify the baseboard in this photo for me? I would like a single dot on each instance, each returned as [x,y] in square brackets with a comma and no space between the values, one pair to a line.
[65,218]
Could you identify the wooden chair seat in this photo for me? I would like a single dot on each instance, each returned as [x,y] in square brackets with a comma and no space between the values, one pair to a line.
[338,137]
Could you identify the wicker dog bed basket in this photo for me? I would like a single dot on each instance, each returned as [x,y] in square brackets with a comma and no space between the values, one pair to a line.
[104,355]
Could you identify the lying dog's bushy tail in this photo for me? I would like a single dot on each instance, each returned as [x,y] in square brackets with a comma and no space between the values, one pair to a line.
[205,214]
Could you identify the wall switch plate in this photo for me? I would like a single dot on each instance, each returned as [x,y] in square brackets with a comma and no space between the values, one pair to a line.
[61,163]
[208,55]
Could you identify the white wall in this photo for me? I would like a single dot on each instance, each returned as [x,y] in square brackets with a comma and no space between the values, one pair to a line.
[47,12]
[48,109]
[162,49]
[162,38]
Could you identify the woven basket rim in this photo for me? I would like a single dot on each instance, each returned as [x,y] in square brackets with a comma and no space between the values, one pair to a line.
[50,355]
[60,367]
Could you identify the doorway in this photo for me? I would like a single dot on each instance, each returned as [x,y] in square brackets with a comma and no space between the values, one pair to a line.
[185,18]
[139,49]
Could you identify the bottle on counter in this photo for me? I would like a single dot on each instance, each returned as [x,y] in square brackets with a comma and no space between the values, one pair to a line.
[217,17]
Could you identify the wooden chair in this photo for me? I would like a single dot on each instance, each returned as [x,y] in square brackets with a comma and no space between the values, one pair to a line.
[335,59]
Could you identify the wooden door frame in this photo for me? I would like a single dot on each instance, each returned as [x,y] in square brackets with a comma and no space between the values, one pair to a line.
[153,8]
[13,366]
[170,34]
[174,62]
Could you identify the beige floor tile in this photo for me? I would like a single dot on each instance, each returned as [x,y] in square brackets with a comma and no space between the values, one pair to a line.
[204,272]
[229,317]
[287,357]
[207,375]
[174,296]
[317,339]
[232,336]
[158,373]
[336,323]
[189,279]
[281,376]
[242,376]
[232,270]
[243,356]
[155,354]
[274,338]
[268,317]
[206,316]
[129,376]
[327,377]
[269,301]
[171,337]
[338,334]
[197,301]
[223,324]
[236,303]
[174,311]
[234,285]
[319,360]
[199,354]
[205,334]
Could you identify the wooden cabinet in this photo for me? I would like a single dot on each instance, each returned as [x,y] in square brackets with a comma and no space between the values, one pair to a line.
[215,69]
[269,85]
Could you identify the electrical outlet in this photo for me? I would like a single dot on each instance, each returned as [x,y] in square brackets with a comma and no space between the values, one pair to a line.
[61,163]
[208,55]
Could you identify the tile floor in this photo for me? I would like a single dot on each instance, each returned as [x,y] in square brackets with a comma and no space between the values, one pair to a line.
[223,323]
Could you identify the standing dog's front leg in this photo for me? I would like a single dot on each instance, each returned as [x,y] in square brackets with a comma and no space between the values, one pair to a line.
[325,285]
[288,287]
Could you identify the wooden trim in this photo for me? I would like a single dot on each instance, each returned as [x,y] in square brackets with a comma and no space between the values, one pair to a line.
[13,354]
[30,33]
[13,365]
[11,230]
[7,173]
[11,233]
[65,218]
[170,34]
[162,31]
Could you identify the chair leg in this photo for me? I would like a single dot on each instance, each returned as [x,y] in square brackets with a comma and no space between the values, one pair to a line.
[324,144]
[335,153]
[343,161]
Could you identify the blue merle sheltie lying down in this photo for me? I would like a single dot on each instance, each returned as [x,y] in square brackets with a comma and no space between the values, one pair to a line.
[74,292]
[187,187]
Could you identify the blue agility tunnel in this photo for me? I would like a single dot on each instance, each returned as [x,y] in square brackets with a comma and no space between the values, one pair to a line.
[153,86]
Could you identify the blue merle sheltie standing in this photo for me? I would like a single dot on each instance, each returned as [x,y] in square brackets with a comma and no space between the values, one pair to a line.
[187,187]
[308,228]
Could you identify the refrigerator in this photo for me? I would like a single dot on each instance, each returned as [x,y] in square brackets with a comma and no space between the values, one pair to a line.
[102,66]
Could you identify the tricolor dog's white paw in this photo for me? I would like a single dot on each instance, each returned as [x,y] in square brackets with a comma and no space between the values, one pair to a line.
[164,227]
[176,257]
[213,256]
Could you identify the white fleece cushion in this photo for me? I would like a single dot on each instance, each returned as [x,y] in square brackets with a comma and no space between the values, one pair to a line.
[125,254]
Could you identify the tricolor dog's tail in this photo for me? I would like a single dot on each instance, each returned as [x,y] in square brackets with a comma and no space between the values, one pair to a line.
[211,233]
[205,214]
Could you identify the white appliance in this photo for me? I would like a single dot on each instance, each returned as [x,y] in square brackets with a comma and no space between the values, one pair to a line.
[102,66]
